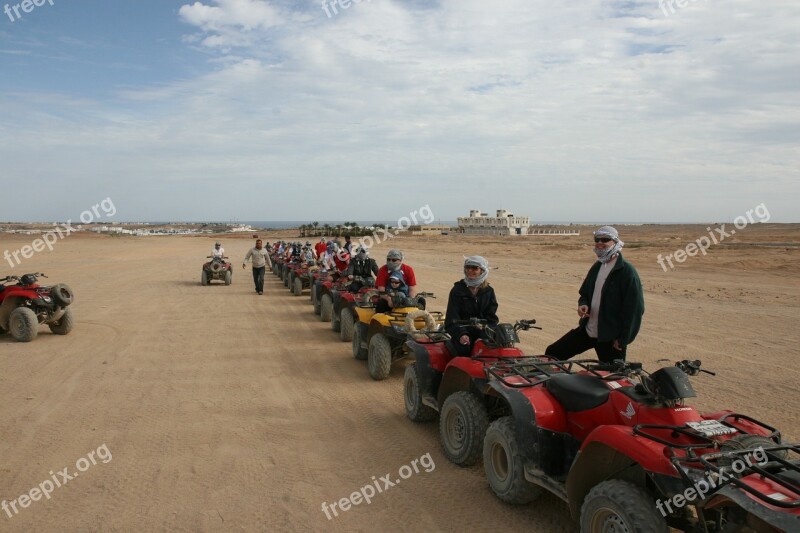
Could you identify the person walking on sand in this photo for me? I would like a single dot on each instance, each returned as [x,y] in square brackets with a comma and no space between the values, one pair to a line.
[610,305]
[260,260]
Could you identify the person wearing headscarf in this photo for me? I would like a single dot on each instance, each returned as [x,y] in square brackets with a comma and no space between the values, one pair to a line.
[470,297]
[610,305]
[394,263]
[361,266]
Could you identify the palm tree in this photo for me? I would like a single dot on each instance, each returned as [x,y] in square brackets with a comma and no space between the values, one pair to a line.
[315,224]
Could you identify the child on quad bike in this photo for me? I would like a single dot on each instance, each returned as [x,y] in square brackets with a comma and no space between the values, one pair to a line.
[470,297]
[394,263]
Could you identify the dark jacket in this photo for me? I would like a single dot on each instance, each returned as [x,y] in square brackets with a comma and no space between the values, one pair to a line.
[462,305]
[621,303]
[364,268]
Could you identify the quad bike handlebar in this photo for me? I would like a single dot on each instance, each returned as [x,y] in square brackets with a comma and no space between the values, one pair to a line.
[692,368]
[482,323]
[35,276]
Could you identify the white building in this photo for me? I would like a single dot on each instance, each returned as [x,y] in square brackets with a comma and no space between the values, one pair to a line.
[504,223]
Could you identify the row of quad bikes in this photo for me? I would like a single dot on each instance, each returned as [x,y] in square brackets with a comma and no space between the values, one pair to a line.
[611,440]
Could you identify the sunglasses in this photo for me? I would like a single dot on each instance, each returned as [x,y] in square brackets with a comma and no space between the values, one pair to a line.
[602,239]
[472,267]
[395,282]
[393,260]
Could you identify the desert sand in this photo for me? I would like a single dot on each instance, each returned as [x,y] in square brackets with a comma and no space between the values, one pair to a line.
[223,410]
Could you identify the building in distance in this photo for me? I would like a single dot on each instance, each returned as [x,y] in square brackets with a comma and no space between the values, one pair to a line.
[504,223]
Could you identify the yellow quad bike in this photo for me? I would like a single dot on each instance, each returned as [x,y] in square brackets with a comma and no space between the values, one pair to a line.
[380,338]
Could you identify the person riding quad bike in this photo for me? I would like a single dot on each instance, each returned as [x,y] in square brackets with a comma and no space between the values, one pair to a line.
[361,266]
[470,297]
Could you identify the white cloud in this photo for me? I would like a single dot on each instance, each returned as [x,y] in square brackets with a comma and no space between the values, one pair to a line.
[594,110]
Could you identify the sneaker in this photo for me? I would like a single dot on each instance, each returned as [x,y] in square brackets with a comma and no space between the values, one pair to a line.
[260,292]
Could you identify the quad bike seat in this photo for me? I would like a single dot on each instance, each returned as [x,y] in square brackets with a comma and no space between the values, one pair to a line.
[577,392]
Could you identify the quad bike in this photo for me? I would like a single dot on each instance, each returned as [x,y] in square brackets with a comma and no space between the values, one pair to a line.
[26,305]
[318,278]
[626,453]
[324,289]
[302,278]
[219,268]
[288,269]
[440,382]
[344,316]
[380,338]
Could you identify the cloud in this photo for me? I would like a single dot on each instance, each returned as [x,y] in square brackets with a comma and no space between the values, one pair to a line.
[559,111]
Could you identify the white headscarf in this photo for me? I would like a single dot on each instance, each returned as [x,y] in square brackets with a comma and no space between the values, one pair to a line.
[605,255]
[480,262]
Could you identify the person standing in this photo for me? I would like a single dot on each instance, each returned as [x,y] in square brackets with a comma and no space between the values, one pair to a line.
[260,261]
[610,306]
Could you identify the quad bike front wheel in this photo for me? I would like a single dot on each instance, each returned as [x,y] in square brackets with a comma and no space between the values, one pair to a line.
[502,462]
[359,352]
[415,409]
[228,277]
[23,324]
[379,357]
[326,308]
[298,287]
[336,323]
[315,299]
[203,278]
[64,324]
[462,427]
[346,325]
[617,505]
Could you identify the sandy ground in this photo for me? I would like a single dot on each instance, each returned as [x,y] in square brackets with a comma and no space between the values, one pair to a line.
[225,410]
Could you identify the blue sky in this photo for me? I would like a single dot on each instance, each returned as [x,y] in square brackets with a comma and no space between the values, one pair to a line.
[265,110]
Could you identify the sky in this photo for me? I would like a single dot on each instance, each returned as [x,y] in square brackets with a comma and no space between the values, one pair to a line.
[218,110]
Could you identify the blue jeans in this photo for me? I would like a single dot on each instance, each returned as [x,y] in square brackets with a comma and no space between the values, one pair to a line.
[258,277]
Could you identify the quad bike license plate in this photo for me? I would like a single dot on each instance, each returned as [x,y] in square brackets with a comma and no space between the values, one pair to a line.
[711,428]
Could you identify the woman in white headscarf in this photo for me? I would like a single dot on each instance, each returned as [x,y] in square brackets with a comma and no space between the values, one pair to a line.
[470,297]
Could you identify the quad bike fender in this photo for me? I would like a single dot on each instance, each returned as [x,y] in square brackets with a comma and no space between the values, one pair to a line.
[363,314]
[762,517]
[645,452]
[460,378]
[430,366]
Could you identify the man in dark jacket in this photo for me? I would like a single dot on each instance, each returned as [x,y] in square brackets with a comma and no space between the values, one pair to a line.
[610,305]
[361,266]
[471,297]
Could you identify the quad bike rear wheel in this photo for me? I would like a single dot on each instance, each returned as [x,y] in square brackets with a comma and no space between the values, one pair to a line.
[502,462]
[379,357]
[415,409]
[336,323]
[326,308]
[203,278]
[64,324]
[285,277]
[62,295]
[359,352]
[617,505]
[298,286]
[23,324]
[346,325]
[462,427]
[228,277]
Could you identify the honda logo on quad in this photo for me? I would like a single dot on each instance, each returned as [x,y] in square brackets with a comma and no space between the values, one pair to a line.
[629,411]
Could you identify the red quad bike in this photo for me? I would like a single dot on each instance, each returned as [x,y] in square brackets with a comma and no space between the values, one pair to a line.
[26,305]
[288,269]
[456,387]
[626,453]
[325,289]
[302,278]
[219,268]
[295,269]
